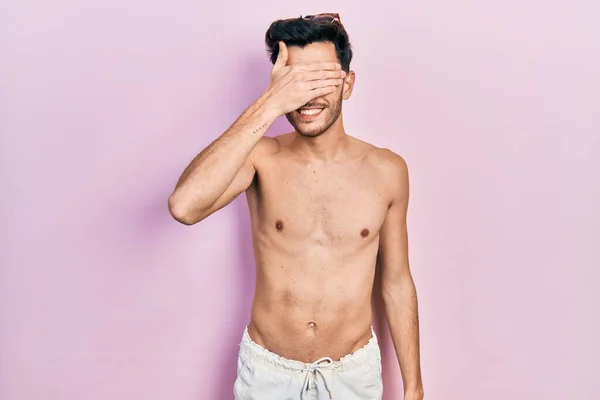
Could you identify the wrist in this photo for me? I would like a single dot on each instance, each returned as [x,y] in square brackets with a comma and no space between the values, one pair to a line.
[268,107]
[413,393]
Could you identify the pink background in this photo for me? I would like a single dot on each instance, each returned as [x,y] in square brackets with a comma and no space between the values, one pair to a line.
[494,105]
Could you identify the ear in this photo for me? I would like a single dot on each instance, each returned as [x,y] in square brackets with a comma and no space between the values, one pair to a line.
[348,85]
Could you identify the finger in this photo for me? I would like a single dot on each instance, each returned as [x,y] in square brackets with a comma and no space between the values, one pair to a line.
[282,57]
[321,83]
[318,66]
[323,91]
[318,75]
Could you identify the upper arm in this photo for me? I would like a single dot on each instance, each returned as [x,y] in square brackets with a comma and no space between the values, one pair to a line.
[393,235]
[240,183]
[245,175]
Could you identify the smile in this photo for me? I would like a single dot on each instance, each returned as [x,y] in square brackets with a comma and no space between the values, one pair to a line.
[311,111]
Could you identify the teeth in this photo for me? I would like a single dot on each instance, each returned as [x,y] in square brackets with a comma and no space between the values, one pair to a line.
[313,111]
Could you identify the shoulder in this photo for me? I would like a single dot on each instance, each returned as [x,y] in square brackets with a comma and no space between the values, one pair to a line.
[392,171]
[266,146]
[386,158]
[387,162]
[274,144]
[381,158]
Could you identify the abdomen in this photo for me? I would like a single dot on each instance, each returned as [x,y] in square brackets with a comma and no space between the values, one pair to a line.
[312,301]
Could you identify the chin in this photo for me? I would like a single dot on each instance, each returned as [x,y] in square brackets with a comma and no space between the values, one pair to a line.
[309,130]
[315,127]
[309,133]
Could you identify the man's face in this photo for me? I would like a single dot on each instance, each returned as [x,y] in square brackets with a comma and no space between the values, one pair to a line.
[318,115]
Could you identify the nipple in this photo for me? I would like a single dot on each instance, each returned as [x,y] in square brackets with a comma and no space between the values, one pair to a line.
[364,233]
[279,225]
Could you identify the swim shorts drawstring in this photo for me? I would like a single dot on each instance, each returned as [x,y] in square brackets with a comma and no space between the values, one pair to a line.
[312,371]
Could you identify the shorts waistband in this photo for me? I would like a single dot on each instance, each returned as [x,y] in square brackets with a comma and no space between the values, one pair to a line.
[251,349]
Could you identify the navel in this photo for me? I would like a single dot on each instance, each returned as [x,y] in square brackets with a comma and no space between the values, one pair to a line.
[364,233]
[312,326]
[279,225]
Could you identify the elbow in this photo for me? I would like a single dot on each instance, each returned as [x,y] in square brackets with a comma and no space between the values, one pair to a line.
[391,295]
[395,291]
[182,212]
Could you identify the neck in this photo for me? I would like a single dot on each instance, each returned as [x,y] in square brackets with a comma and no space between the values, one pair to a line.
[324,147]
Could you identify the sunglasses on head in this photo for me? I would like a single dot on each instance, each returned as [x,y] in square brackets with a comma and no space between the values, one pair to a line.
[324,17]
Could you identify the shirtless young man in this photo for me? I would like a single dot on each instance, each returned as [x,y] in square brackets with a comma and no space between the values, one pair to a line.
[326,208]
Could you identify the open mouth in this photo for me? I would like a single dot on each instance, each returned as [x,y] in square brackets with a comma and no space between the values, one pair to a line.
[309,113]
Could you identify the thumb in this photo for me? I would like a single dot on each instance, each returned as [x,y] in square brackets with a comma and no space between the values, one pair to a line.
[282,57]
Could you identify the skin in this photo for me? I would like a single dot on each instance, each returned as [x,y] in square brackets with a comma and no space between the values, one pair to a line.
[326,208]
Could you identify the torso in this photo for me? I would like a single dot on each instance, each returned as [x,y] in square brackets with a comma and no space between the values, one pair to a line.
[315,228]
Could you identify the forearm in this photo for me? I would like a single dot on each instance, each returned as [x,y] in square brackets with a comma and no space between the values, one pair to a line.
[211,172]
[401,308]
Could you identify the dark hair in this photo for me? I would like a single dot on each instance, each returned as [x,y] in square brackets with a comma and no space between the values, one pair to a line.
[301,32]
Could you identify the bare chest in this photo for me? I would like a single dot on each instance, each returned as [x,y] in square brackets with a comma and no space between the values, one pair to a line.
[328,204]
